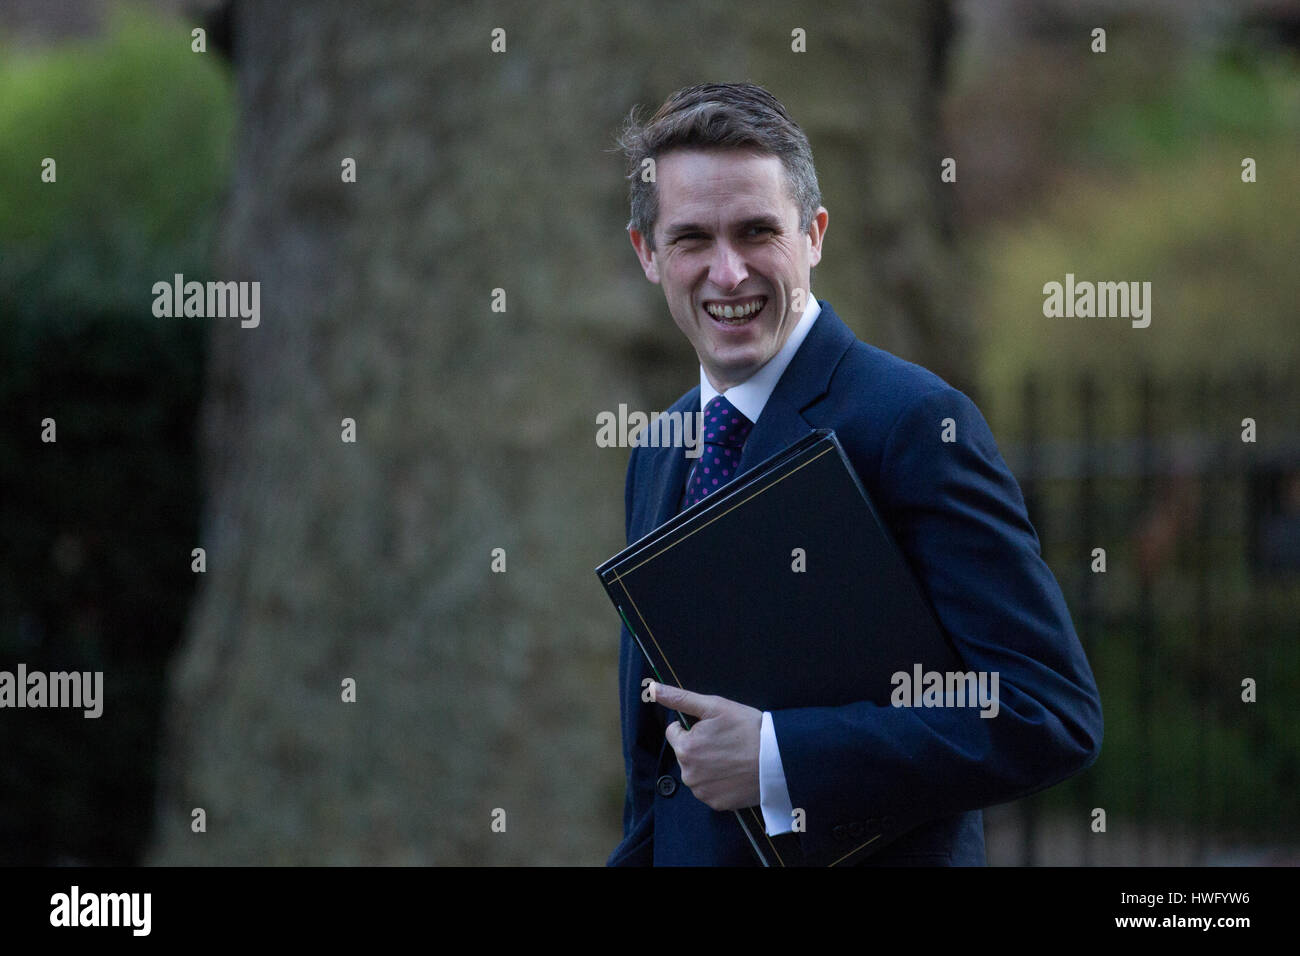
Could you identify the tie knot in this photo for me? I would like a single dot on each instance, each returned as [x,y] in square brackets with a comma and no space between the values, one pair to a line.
[724,424]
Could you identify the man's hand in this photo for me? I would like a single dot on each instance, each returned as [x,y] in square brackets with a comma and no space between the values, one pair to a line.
[719,754]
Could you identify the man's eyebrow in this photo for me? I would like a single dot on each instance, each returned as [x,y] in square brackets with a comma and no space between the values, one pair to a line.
[682,228]
[770,222]
[763,219]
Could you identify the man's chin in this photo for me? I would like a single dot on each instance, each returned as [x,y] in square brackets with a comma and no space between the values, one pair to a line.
[732,369]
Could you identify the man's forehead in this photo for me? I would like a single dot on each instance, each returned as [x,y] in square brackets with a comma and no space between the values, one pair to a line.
[737,184]
[733,167]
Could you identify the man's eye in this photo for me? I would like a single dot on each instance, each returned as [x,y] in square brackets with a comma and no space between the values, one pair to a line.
[755,230]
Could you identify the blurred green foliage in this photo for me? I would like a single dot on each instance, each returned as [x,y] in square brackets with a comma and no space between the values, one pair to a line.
[1235,96]
[140,129]
[1157,196]
[98,527]
[1153,191]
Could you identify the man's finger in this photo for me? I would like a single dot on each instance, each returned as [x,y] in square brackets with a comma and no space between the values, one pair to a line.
[672,732]
[682,701]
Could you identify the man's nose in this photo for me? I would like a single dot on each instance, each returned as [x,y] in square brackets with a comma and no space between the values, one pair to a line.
[728,268]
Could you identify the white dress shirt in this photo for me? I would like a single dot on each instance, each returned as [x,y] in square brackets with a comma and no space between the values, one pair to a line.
[749,397]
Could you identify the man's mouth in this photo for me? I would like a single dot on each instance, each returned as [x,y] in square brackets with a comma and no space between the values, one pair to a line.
[737,311]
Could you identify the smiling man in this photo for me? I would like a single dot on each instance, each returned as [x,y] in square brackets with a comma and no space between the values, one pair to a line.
[734,258]
[730,226]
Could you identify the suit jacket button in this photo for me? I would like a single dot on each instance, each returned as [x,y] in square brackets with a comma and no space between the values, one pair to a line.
[840,833]
[666,786]
[855,829]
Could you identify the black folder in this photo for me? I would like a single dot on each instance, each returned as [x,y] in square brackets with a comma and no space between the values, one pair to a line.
[782,589]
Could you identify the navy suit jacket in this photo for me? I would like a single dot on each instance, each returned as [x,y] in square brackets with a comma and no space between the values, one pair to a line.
[883,784]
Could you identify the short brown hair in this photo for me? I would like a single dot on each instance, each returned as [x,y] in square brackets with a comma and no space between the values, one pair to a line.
[718,116]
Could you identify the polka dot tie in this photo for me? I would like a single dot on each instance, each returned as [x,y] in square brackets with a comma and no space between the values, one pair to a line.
[725,431]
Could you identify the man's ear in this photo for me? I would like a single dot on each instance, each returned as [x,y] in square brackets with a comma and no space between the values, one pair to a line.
[643,252]
[816,232]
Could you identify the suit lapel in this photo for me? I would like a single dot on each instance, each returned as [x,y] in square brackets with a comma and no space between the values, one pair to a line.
[805,380]
[671,466]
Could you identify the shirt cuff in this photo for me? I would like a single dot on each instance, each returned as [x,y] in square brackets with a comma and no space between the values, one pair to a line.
[778,815]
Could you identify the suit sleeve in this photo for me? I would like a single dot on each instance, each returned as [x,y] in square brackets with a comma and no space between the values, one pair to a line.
[960,520]
[642,737]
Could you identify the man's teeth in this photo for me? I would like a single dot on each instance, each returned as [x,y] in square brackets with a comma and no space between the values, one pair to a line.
[734,312]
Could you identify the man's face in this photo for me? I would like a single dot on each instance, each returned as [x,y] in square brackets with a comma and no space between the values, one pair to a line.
[728,235]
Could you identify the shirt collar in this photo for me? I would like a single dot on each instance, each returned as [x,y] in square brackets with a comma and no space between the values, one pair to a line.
[751,395]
